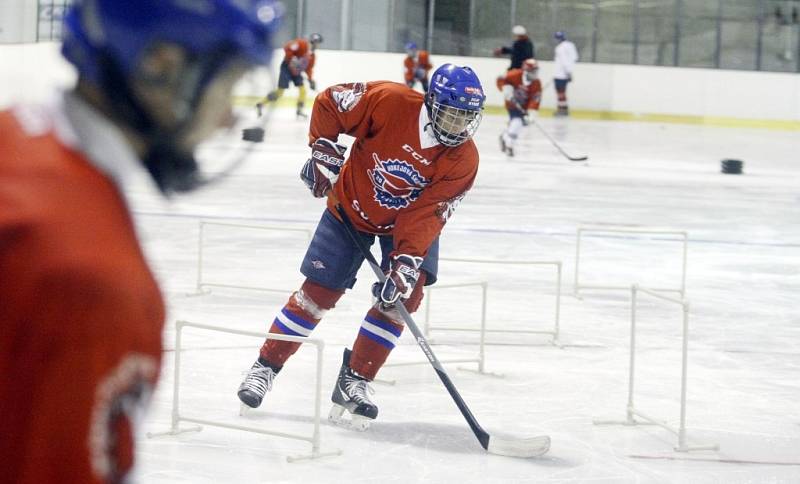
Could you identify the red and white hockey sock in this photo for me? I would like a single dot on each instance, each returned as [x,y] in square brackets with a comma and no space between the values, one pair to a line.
[562,100]
[376,339]
[298,317]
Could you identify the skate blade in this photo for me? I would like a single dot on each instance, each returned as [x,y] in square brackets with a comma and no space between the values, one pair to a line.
[359,423]
[244,409]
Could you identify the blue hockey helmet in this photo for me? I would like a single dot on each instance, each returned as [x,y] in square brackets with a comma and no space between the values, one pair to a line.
[455,103]
[560,35]
[107,41]
[123,31]
[411,46]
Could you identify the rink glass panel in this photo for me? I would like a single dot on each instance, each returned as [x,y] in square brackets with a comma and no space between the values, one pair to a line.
[727,34]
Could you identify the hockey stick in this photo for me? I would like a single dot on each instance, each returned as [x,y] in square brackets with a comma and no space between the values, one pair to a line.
[530,447]
[558,147]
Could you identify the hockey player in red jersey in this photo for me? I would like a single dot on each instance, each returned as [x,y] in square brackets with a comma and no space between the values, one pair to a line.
[299,57]
[411,164]
[416,66]
[81,314]
[522,91]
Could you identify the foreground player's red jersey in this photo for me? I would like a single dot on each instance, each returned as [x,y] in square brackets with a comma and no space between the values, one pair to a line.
[298,56]
[80,314]
[398,179]
[526,96]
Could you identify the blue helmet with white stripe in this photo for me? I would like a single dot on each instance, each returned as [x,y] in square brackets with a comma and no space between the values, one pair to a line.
[455,101]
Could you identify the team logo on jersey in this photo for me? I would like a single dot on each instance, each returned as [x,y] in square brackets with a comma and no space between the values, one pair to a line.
[521,95]
[346,96]
[119,403]
[299,64]
[397,183]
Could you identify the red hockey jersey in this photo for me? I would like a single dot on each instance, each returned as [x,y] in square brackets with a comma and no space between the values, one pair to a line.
[411,64]
[80,314]
[525,96]
[397,179]
[298,56]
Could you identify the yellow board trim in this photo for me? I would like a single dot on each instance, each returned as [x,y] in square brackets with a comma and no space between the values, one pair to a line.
[770,124]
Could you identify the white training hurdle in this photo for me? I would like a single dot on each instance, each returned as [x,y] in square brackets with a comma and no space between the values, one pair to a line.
[202,286]
[177,418]
[579,236]
[632,411]
[484,285]
[427,326]
[480,359]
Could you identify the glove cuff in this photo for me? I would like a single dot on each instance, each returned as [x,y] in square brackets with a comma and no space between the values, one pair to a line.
[330,144]
[410,260]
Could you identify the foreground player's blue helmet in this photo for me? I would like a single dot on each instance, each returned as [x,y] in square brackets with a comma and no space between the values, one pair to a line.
[455,103]
[100,30]
[560,35]
[107,40]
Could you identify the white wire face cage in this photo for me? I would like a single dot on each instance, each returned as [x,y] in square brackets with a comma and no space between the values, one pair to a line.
[453,126]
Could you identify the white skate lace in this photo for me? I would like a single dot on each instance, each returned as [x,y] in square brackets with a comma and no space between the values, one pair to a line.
[359,390]
[259,379]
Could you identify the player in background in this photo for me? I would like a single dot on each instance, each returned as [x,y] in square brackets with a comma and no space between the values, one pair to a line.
[81,315]
[566,56]
[299,57]
[411,164]
[416,66]
[521,49]
[522,91]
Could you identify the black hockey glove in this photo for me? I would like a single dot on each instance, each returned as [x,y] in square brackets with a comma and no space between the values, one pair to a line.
[321,171]
[312,84]
[399,284]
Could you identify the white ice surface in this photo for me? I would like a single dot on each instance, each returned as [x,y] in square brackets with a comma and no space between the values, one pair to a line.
[743,283]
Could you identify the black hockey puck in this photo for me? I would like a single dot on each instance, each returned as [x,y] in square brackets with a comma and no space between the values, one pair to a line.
[732,167]
[254,135]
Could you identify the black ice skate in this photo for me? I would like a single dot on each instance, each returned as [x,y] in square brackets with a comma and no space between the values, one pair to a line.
[259,109]
[257,383]
[352,394]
